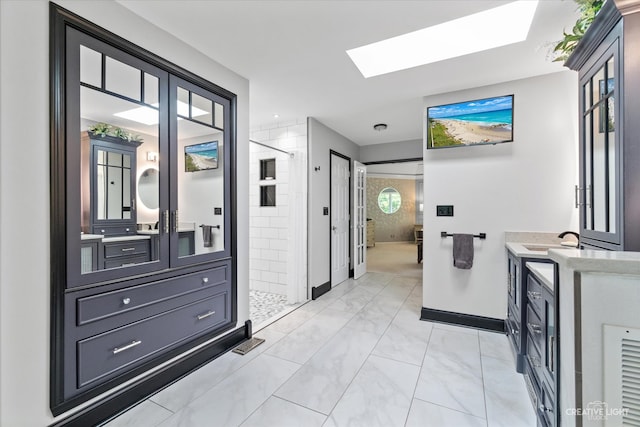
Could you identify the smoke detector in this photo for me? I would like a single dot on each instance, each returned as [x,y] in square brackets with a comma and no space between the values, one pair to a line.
[380,127]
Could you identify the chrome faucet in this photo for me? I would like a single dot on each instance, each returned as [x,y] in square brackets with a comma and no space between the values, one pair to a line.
[573,233]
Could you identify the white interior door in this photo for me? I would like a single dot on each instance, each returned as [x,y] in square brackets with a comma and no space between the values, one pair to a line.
[359,238]
[339,219]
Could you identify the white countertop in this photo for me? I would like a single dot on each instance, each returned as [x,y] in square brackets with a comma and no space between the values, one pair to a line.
[543,271]
[125,238]
[597,261]
[84,236]
[523,249]
[156,231]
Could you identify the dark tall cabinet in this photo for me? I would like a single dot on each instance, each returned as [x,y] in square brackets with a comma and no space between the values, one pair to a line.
[608,195]
[135,281]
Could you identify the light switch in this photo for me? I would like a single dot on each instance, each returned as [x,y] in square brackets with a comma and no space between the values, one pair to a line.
[444,210]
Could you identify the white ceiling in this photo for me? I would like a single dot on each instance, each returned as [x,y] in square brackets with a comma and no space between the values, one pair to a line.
[293,53]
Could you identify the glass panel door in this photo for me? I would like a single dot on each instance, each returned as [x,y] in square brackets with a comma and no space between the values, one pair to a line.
[200,220]
[115,135]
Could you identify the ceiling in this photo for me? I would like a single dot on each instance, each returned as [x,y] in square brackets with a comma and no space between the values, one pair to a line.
[293,53]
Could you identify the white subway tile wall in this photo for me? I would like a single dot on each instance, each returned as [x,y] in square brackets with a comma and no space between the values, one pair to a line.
[270,226]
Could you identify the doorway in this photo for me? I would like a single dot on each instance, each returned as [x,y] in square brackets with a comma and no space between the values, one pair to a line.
[395,216]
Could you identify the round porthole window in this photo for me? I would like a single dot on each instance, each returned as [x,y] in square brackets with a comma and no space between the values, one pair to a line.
[389,200]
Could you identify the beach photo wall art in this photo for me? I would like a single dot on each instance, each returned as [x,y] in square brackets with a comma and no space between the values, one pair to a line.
[200,157]
[477,122]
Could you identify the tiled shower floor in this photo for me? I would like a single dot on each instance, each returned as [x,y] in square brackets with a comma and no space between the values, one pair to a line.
[265,305]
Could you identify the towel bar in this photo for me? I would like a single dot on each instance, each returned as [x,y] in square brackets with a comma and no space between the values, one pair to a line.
[481,236]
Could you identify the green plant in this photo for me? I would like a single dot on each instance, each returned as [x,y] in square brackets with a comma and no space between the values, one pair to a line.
[103,129]
[588,11]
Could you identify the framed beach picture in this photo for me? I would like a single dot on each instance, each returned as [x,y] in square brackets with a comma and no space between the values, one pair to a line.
[476,122]
[200,157]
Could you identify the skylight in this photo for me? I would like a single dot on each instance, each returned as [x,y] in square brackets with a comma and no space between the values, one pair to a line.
[149,116]
[485,30]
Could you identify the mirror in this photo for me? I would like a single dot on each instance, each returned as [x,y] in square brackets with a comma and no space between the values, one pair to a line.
[148,188]
[113,176]
[389,200]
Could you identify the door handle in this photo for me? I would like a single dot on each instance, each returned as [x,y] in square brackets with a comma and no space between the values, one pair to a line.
[334,228]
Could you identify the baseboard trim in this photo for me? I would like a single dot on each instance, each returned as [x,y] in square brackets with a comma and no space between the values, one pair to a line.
[462,319]
[106,409]
[317,291]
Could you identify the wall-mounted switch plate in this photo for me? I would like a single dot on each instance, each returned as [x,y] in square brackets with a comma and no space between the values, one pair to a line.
[325,211]
[444,210]
[217,211]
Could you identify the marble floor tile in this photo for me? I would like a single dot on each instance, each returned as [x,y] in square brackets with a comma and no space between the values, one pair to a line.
[380,395]
[495,344]
[180,393]
[425,414]
[301,344]
[353,301]
[508,403]
[278,412]
[455,328]
[405,340]
[233,400]
[146,414]
[320,383]
[293,320]
[451,374]
[374,318]
[455,383]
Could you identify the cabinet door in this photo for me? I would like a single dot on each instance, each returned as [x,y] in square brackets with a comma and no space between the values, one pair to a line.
[200,193]
[513,280]
[600,201]
[116,132]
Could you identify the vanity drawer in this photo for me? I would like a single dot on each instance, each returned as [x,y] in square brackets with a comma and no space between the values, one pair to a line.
[122,261]
[126,248]
[535,363]
[104,355]
[535,327]
[114,230]
[534,293]
[101,306]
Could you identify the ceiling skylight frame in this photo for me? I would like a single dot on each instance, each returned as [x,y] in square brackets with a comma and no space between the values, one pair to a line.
[489,29]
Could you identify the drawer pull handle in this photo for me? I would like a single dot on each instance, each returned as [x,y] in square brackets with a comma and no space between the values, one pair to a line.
[204,316]
[205,280]
[126,347]
[126,229]
[536,328]
[533,295]
[126,301]
[128,249]
[544,409]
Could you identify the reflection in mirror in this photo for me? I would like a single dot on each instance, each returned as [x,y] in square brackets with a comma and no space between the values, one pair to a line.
[116,134]
[200,188]
[389,200]
[148,185]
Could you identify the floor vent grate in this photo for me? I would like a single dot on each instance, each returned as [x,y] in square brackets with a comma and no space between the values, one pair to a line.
[247,346]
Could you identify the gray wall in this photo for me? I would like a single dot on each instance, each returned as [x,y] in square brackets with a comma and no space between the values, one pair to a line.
[24,164]
[321,140]
[391,151]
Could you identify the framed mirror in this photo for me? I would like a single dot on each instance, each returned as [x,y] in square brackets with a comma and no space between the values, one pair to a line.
[389,200]
[148,188]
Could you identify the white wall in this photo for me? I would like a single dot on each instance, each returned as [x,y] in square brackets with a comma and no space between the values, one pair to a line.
[526,185]
[24,187]
[271,227]
[391,151]
[321,140]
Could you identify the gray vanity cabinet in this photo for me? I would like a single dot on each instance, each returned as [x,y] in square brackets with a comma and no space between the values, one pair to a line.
[542,349]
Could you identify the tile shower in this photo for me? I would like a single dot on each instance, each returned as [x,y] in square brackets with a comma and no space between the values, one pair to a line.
[277,258]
